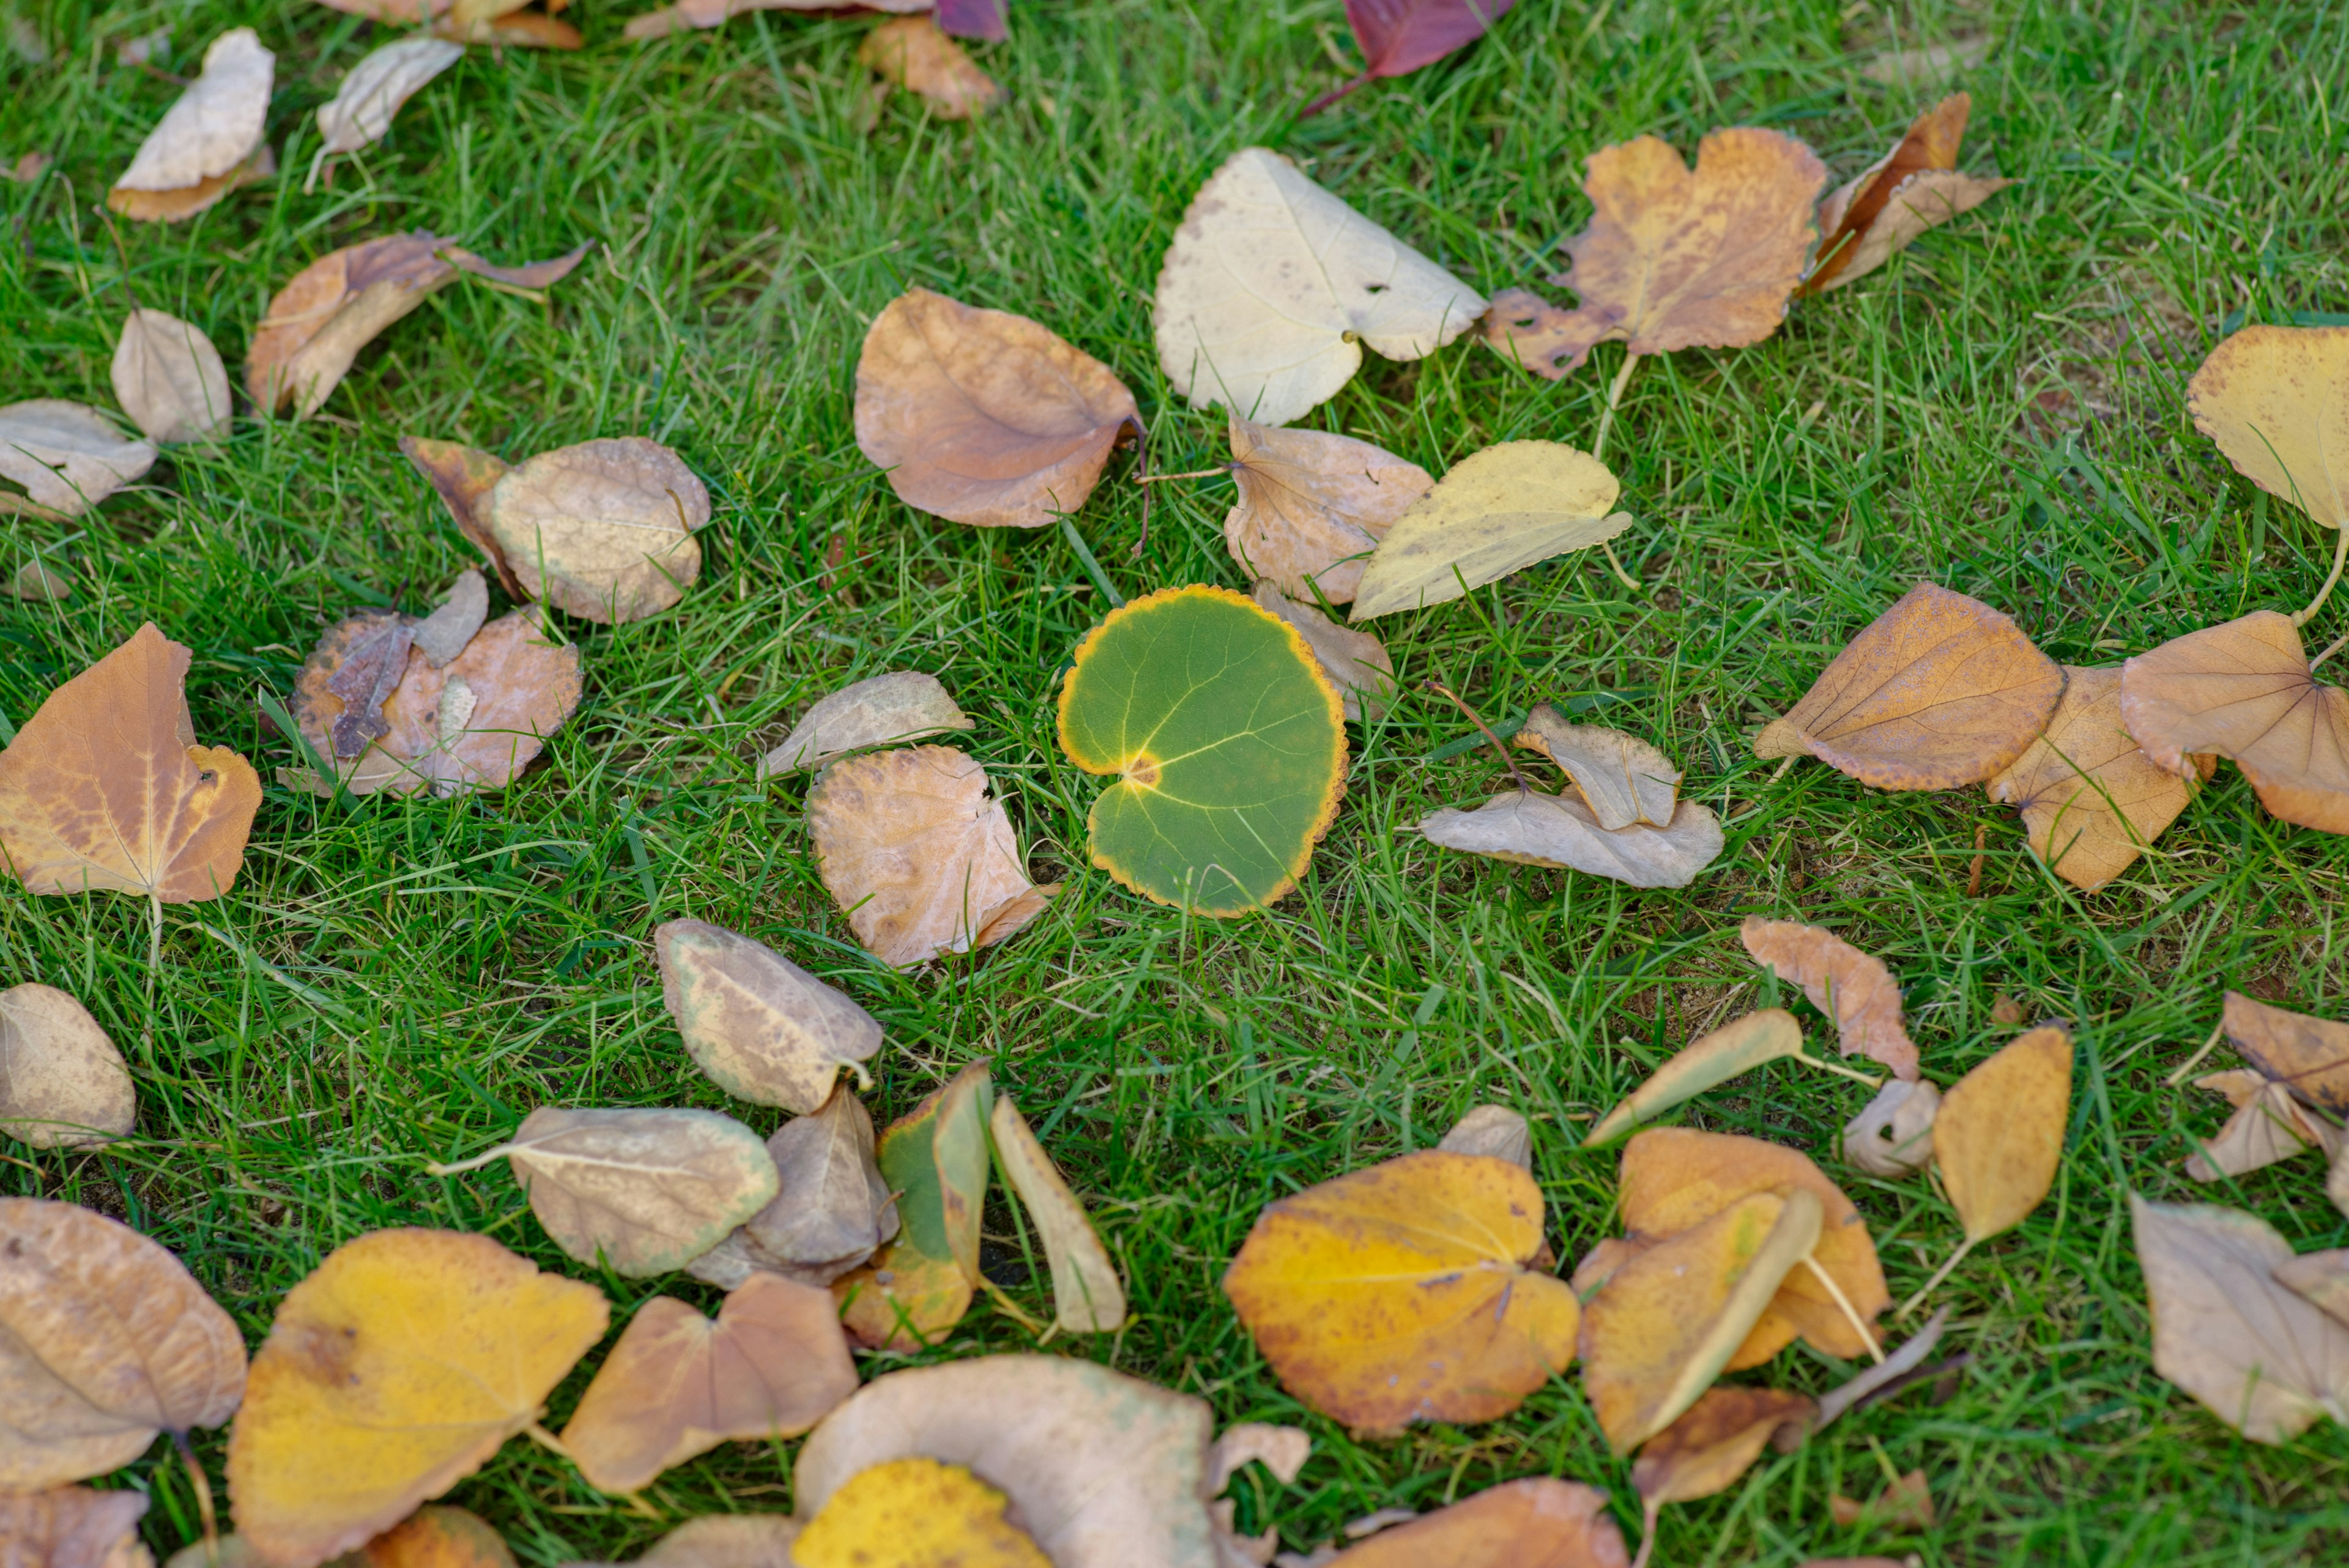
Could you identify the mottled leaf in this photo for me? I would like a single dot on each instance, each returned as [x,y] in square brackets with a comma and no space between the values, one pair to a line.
[62,1083]
[764,1029]
[881,710]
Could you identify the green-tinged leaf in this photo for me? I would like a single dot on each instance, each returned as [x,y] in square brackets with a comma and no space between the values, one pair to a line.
[1496,512]
[1734,1048]
[934,1159]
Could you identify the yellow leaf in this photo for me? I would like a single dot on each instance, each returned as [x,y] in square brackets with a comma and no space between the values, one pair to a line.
[1735,1048]
[1497,512]
[2276,400]
[438,1538]
[2000,1135]
[915,1513]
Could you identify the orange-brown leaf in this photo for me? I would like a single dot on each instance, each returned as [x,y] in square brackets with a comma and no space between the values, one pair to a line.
[435,1537]
[1850,986]
[2308,1056]
[2090,798]
[913,52]
[1908,191]
[1536,1524]
[1714,1443]
[463,476]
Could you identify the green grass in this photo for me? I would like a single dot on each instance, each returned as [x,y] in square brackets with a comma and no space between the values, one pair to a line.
[393,982]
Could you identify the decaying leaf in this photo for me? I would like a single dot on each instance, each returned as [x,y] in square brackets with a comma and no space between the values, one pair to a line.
[1539,1522]
[1939,691]
[2308,1055]
[772,1365]
[603,529]
[2268,1126]
[1892,1369]
[1893,1135]
[1999,1137]
[1623,779]
[1312,506]
[1715,1441]
[831,1209]
[913,53]
[1850,986]
[2321,1278]
[915,1512]
[1665,1323]
[1494,513]
[641,1191]
[106,788]
[718,13]
[444,634]
[74,1526]
[1531,828]
[1272,287]
[1495,1132]
[2091,800]
[984,417]
[934,1160]
[918,856]
[1906,1503]
[2276,400]
[168,379]
[1355,662]
[499,24]
[764,1029]
[1736,1047]
[67,456]
[463,476]
[105,1342]
[316,324]
[879,710]
[1899,196]
[394,1371]
[360,113]
[435,1537]
[1925,66]
[62,1083]
[208,143]
[1400,1292]
[1102,1470]
[1283,1451]
[2244,690]
[1673,257]
[1086,1295]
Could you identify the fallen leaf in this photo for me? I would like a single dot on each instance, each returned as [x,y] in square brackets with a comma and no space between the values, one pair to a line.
[1939,691]
[1676,1179]
[27,169]
[2321,1279]
[437,1537]
[2268,1127]
[918,1513]
[1494,513]
[74,1526]
[1400,1294]
[1399,36]
[764,1029]
[934,1160]
[1355,662]
[831,1211]
[510,29]
[2091,800]
[1923,67]
[105,786]
[1530,829]
[639,1191]
[1850,986]
[444,634]
[1283,1451]
[984,417]
[1538,1522]
[206,144]
[2005,1011]
[727,1541]
[1899,196]
[106,1341]
[361,111]
[2276,400]
[1890,1370]
[1674,258]
[1623,779]
[879,710]
[1495,1132]
[1086,1295]
[394,1371]
[168,379]
[1736,1047]
[1713,1443]
[2308,1055]
[603,529]
[2243,689]
[463,476]
[1272,287]
[41,582]
[62,1083]
[1999,1137]
[917,857]
[1893,1135]
[913,52]
[67,456]
[772,1365]
[1906,1504]
[1102,1470]
[1312,506]
[1226,743]
[1666,1323]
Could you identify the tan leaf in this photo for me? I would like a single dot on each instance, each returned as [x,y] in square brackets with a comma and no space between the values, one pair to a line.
[2257,1355]
[2091,800]
[1713,1443]
[772,1365]
[105,1342]
[2244,690]
[26,169]
[171,206]
[727,1541]
[603,529]
[1535,829]
[168,379]
[444,634]
[434,1537]
[106,788]
[1086,1295]
[1999,1137]
[879,710]
[832,1210]
[214,128]
[512,29]
[2321,1279]
[718,13]
[2308,1056]
[910,52]
[1623,779]
[2265,1131]
[1283,1451]
[2337,1181]
[463,476]
[1534,1523]
[984,417]
[1850,986]
[1356,662]
[1939,691]
[917,857]
[1674,258]
[67,456]
[1905,1504]
[1272,285]
[1899,196]
[1312,506]
[74,1526]
[1928,65]
[370,94]
[1497,512]
[62,1083]
[40,581]
[1495,1132]
[2276,400]
[1893,1135]
[1736,1047]
[1102,1470]
[764,1029]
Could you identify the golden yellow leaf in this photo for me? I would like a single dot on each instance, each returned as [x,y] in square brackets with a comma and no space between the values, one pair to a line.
[1493,513]
[1539,1522]
[1401,1294]
[1850,986]
[1312,506]
[2091,800]
[913,53]
[915,1513]
[394,1371]
[2276,400]
[1086,1295]
[62,1083]
[2000,1135]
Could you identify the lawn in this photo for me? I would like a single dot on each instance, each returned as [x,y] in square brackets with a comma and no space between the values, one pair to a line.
[2001,410]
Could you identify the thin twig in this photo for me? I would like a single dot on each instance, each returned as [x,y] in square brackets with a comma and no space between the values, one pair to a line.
[2195,1061]
[1875,1350]
[1332,96]
[1913,1302]
[1508,762]
[1008,1307]
[2337,643]
[203,1486]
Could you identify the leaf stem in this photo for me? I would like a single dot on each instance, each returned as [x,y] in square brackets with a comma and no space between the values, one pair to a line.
[1854,1074]
[2195,1061]
[1913,1302]
[203,1486]
[1215,472]
[1875,1350]
[1333,95]
[1614,397]
[1508,762]
[2340,559]
[1008,1307]
[479,1161]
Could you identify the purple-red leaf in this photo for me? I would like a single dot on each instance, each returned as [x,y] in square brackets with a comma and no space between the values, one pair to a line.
[1398,36]
[987,19]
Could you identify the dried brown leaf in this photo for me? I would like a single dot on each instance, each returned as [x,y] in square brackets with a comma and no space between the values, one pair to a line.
[913,53]
[2308,1056]
[1899,196]
[1906,1504]
[1893,1135]
[2321,1279]
[879,710]
[1312,506]
[2266,1130]
[1925,66]
[1623,779]
[1531,828]
[2091,800]
[67,456]
[603,529]
[463,476]
[208,136]
[1356,662]
[1712,1444]
[73,1527]
[62,1083]
[168,379]
[444,634]
[370,93]
[1850,986]
[1539,1522]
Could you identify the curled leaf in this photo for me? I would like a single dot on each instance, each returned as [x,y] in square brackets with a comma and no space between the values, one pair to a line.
[370,94]
[934,1160]
[1531,828]
[1623,779]
[205,144]
[67,456]
[1497,512]
[1893,1135]
[902,705]
[1086,1295]
[1736,1047]
[1909,190]
[168,379]
[1355,662]
[1312,506]
[913,52]
[2268,1127]
[1850,986]
[764,1029]
[1999,1137]
[2090,798]
[463,476]
[62,1083]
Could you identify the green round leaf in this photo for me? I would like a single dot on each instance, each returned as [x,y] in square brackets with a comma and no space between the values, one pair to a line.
[1227,740]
